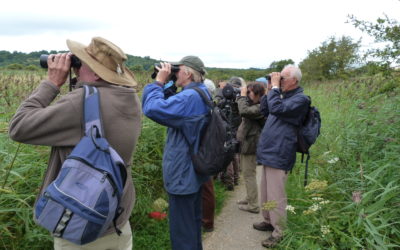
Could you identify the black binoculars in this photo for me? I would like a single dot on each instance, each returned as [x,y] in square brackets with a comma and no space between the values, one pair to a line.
[174,69]
[75,62]
[268,77]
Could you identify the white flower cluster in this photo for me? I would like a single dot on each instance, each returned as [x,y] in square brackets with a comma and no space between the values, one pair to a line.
[314,207]
[333,160]
[290,209]
[321,200]
[324,202]
[317,198]
[325,230]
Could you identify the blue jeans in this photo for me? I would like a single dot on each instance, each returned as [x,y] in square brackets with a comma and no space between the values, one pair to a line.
[185,221]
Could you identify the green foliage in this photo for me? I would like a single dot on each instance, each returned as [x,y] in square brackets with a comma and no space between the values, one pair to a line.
[384,30]
[137,68]
[331,60]
[277,66]
[146,62]
[219,74]
[15,66]
[356,155]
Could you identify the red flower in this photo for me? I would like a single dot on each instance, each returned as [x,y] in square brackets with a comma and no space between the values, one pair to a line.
[157,215]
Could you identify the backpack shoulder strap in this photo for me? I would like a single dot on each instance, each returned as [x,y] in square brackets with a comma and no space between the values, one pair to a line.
[91,110]
[203,96]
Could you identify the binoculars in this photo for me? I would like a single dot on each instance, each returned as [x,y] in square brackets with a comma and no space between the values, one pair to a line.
[75,62]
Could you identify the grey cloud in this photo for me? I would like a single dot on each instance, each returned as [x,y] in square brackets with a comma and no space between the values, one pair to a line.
[28,25]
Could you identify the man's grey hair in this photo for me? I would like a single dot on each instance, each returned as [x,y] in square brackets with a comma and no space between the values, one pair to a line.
[196,76]
[294,71]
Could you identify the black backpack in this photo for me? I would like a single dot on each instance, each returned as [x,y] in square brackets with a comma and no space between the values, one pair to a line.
[217,145]
[307,134]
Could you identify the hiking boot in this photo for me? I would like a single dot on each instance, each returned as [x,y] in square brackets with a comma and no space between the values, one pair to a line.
[247,208]
[242,202]
[263,226]
[270,242]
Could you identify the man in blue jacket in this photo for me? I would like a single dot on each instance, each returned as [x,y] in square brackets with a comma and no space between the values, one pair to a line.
[286,106]
[185,115]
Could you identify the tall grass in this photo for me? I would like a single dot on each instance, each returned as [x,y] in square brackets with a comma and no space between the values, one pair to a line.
[357,154]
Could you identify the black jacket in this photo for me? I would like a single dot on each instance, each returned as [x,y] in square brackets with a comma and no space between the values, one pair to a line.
[278,140]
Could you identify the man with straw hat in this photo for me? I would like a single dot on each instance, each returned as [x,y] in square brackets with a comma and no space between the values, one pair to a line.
[59,125]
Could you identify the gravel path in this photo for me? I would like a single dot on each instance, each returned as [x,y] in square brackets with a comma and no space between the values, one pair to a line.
[234,227]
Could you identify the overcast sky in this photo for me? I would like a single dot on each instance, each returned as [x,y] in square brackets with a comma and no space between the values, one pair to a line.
[223,33]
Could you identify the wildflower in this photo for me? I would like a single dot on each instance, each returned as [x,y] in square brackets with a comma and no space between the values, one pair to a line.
[314,207]
[160,205]
[333,160]
[325,230]
[290,208]
[317,198]
[325,153]
[324,202]
[357,195]
[269,205]
[316,185]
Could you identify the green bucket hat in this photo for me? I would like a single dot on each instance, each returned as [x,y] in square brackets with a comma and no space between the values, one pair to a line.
[193,62]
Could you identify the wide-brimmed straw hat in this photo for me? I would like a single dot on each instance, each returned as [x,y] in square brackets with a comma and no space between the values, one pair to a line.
[106,59]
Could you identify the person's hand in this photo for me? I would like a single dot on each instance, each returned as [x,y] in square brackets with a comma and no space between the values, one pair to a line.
[164,72]
[275,79]
[58,68]
[243,91]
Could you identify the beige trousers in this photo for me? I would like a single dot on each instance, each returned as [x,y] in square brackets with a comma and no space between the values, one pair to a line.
[108,242]
[248,165]
[272,190]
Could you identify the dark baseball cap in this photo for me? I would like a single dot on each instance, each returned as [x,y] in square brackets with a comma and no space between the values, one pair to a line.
[193,62]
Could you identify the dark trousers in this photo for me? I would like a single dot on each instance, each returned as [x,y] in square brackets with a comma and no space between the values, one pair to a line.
[185,221]
[208,203]
[230,176]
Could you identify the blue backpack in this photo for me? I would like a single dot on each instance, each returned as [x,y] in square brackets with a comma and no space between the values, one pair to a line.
[84,200]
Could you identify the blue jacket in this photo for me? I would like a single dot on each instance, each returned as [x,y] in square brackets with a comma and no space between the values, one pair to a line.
[185,115]
[278,140]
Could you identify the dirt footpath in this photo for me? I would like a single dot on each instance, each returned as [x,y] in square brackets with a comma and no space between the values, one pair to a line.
[234,227]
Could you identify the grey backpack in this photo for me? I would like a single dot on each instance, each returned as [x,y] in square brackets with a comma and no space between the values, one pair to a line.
[84,200]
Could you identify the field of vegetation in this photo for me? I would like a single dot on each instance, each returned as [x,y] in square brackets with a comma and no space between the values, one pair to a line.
[352,200]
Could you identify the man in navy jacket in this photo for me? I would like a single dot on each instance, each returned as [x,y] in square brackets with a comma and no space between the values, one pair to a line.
[286,106]
[185,115]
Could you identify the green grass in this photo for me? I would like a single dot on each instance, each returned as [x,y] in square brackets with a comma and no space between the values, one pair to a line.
[360,127]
